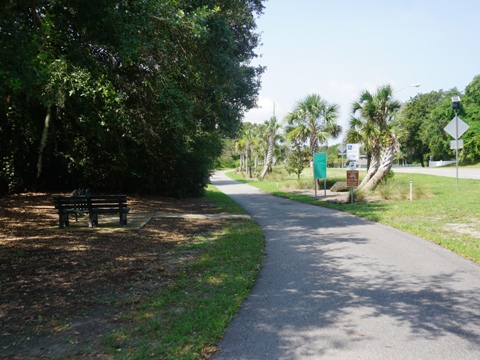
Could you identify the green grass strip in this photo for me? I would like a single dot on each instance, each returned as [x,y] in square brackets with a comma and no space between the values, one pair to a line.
[187,318]
[450,216]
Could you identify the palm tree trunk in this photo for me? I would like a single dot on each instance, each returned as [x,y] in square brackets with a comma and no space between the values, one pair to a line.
[268,160]
[313,144]
[387,159]
[372,168]
[242,156]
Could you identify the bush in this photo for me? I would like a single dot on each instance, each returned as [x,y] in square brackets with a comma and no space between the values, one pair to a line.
[393,191]
[299,184]
[278,174]
[226,162]
[389,177]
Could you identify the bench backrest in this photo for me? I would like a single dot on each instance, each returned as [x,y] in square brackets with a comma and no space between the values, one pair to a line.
[90,202]
[70,202]
[107,201]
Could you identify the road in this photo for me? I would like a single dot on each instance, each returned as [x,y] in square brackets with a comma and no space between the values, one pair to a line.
[336,286]
[463,173]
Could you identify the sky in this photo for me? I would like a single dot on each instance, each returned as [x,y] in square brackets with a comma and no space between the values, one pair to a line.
[338,48]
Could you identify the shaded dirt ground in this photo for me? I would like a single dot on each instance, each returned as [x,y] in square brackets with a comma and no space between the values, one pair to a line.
[59,289]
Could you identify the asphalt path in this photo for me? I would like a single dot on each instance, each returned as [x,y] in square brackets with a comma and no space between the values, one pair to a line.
[336,286]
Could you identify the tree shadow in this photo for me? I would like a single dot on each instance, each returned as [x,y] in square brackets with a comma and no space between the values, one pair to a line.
[333,281]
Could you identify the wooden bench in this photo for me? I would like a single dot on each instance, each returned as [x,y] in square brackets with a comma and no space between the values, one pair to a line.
[93,205]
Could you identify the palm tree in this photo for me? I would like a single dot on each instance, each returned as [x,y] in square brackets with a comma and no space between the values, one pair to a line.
[245,146]
[371,122]
[271,129]
[240,147]
[363,131]
[313,119]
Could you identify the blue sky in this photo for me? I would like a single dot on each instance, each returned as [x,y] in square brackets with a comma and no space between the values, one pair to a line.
[338,48]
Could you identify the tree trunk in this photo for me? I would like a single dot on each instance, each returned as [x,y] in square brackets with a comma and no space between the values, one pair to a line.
[268,160]
[372,168]
[43,141]
[385,166]
[313,144]
[242,160]
[248,165]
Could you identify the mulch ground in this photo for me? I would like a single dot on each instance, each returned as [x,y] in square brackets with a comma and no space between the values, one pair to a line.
[59,289]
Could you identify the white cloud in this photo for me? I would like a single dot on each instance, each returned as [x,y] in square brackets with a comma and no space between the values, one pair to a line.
[264,111]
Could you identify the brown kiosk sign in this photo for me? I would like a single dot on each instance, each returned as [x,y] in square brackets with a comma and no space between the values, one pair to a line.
[352,181]
[352,178]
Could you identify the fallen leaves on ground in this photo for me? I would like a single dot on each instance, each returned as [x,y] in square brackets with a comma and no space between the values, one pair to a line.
[59,289]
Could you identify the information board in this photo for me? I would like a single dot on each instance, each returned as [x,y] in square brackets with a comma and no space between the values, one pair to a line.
[352,178]
[353,152]
[320,165]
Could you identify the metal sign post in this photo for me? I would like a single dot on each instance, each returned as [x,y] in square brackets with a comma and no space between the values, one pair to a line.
[456,128]
[341,152]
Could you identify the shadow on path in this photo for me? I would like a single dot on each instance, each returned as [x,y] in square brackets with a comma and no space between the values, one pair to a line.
[337,286]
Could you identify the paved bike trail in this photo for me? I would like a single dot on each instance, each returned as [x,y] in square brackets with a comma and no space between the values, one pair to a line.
[336,286]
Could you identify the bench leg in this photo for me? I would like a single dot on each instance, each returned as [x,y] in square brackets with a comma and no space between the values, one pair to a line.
[91,220]
[63,220]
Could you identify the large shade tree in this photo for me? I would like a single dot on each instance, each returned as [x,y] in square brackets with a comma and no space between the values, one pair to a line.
[421,124]
[130,95]
[470,112]
[418,127]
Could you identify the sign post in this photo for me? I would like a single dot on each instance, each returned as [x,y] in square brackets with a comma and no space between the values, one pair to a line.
[320,170]
[341,151]
[456,128]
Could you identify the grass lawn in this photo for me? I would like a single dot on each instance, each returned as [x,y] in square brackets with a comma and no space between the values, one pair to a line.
[185,319]
[449,215]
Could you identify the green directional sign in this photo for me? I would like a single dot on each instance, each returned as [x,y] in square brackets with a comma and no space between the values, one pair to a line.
[320,165]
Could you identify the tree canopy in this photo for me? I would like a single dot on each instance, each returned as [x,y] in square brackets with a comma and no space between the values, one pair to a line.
[422,121]
[313,120]
[122,95]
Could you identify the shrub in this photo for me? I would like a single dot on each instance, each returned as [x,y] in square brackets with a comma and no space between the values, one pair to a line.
[392,190]
[226,162]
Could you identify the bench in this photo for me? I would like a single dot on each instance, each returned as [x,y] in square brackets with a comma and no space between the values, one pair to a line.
[93,205]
